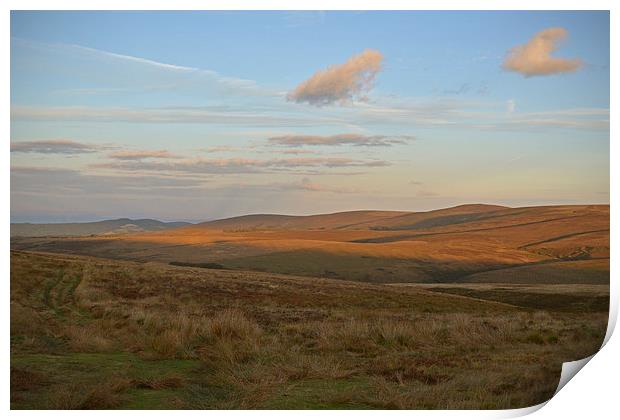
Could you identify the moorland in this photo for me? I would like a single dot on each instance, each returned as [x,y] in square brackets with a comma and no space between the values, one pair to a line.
[474,306]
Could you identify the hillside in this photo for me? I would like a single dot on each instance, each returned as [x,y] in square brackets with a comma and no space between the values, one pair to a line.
[342,220]
[447,245]
[349,220]
[104,227]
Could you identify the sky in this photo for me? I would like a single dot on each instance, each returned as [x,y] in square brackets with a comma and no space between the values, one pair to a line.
[203,115]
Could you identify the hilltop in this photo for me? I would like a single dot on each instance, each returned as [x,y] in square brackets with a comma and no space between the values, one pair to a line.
[103,227]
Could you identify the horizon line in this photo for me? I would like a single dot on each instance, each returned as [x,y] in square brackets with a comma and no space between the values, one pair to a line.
[198,221]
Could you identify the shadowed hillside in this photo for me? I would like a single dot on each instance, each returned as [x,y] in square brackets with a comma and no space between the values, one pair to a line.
[448,245]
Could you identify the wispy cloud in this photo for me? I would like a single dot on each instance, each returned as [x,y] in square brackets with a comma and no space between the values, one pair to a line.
[223,149]
[290,151]
[238,165]
[341,82]
[40,170]
[423,114]
[142,154]
[572,112]
[294,140]
[532,124]
[511,105]
[427,194]
[190,115]
[463,89]
[157,75]
[306,184]
[134,59]
[39,192]
[59,181]
[483,114]
[534,58]
[67,147]
[116,90]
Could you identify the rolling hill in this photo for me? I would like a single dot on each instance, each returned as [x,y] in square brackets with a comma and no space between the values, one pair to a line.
[349,220]
[104,227]
[457,244]
[342,220]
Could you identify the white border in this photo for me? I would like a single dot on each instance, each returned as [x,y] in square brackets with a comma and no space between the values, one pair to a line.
[309,5]
[592,394]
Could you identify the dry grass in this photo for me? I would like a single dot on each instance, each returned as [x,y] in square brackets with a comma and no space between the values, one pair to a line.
[233,325]
[265,341]
[171,381]
[25,380]
[102,396]
[87,339]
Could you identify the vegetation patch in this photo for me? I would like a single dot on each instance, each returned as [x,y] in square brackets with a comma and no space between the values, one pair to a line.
[211,265]
[89,333]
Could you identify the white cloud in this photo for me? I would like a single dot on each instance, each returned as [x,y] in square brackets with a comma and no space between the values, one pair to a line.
[342,82]
[534,58]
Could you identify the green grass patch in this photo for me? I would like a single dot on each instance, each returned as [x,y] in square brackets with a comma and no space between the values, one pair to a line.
[322,394]
[89,370]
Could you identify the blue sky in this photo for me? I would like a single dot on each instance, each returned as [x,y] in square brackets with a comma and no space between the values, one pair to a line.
[130,114]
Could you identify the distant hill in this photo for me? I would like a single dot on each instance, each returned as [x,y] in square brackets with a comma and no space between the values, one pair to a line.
[340,220]
[104,227]
[354,220]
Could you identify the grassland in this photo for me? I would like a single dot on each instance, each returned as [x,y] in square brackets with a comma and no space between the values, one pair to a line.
[469,307]
[91,333]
